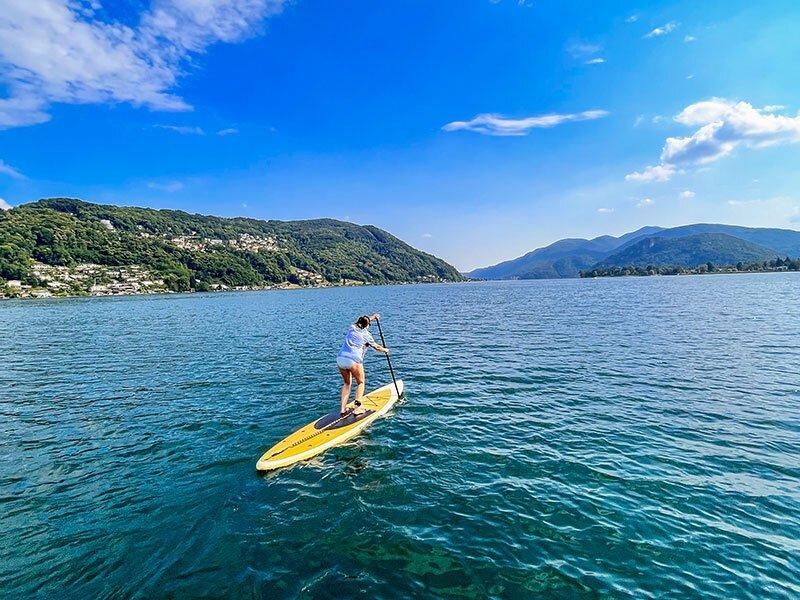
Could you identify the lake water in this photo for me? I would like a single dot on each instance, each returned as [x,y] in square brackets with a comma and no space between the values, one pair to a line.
[624,438]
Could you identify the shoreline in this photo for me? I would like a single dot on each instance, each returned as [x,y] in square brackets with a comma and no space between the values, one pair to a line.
[274,288]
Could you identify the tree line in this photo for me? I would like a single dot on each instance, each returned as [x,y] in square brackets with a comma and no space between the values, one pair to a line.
[778,264]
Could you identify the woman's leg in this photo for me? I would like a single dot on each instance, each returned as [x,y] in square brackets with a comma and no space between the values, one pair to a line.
[358,374]
[345,388]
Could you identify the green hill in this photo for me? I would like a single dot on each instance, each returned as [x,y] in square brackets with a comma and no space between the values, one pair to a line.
[570,257]
[785,242]
[564,258]
[189,251]
[688,251]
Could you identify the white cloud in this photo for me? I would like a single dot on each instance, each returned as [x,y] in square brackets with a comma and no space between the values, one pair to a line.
[604,209]
[228,131]
[7,169]
[499,125]
[657,173]
[5,205]
[689,38]
[644,202]
[59,51]
[638,120]
[18,111]
[770,108]
[596,61]
[183,130]
[657,119]
[663,30]
[167,186]
[632,19]
[687,194]
[690,76]
[723,127]
[427,235]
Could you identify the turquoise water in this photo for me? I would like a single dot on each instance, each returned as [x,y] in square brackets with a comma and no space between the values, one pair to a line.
[623,438]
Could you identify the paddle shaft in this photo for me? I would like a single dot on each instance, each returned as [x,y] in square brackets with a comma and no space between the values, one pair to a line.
[388,360]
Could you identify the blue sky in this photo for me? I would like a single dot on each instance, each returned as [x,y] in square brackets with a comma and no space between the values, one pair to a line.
[474,129]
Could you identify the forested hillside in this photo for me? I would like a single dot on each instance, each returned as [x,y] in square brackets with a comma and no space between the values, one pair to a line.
[688,251]
[188,251]
[687,246]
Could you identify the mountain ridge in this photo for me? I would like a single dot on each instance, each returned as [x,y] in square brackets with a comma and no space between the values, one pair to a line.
[570,256]
[197,252]
[687,251]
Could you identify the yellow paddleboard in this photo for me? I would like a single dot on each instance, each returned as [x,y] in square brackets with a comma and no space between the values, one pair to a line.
[330,430]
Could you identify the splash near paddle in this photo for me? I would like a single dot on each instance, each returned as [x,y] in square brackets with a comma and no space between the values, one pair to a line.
[331,430]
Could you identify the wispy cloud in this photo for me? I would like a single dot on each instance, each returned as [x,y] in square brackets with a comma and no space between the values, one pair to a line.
[5,205]
[183,130]
[427,236]
[663,30]
[645,202]
[632,19]
[689,38]
[228,131]
[7,169]
[687,194]
[604,209]
[166,186]
[60,51]
[596,61]
[581,49]
[724,126]
[499,125]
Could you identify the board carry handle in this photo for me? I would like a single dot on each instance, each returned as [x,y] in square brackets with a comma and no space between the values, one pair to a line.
[388,360]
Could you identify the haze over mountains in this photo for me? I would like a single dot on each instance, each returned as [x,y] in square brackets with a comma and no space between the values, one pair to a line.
[684,246]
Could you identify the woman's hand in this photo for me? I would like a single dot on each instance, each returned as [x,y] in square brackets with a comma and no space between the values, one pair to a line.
[375,317]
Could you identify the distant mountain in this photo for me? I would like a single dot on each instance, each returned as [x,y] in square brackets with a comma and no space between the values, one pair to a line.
[785,242]
[189,251]
[687,251]
[566,258]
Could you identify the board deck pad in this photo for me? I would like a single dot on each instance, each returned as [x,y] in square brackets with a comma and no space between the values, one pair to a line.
[335,420]
[329,430]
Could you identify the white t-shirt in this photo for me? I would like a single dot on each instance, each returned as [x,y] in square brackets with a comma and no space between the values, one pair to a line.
[355,343]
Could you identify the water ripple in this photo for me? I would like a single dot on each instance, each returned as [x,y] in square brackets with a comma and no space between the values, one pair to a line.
[631,438]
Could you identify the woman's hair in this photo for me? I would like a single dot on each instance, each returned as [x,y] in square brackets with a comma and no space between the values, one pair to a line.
[363,322]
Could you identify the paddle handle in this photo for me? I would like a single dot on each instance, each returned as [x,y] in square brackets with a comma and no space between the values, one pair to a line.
[388,360]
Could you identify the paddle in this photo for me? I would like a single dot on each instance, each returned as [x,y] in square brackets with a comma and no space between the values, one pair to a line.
[388,360]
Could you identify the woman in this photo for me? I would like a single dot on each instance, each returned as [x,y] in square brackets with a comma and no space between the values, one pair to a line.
[350,359]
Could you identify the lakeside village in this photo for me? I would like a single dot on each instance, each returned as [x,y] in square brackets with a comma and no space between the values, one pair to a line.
[101,280]
[88,279]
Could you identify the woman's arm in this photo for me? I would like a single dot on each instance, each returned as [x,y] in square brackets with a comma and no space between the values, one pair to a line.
[379,348]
